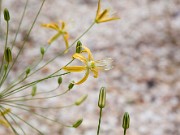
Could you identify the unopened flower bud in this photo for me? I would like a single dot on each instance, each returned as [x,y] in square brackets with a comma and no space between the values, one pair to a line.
[6,14]
[42,51]
[28,70]
[126,122]
[77,123]
[102,98]
[60,80]
[71,85]
[8,55]
[34,89]
[81,100]
[79,47]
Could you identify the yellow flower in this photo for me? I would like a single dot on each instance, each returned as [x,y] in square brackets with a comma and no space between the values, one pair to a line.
[103,16]
[3,121]
[89,65]
[60,31]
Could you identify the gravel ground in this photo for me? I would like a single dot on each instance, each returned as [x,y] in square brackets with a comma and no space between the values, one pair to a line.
[145,80]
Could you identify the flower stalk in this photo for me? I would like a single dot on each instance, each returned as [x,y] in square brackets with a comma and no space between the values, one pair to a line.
[101,104]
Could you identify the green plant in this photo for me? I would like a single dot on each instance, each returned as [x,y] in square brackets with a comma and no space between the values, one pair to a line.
[12,94]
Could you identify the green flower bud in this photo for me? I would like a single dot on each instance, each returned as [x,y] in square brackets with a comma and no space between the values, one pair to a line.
[60,80]
[102,98]
[126,122]
[77,123]
[71,85]
[5,67]
[34,89]
[28,70]
[81,100]
[8,55]
[6,14]
[42,51]
[79,47]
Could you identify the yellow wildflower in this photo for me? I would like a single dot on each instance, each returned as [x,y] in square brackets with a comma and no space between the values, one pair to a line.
[60,31]
[89,65]
[103,16]
[2,121]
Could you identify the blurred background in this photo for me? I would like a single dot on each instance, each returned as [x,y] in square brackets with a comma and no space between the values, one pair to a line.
[145,80]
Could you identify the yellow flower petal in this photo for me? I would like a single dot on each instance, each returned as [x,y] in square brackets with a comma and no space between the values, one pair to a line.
[66,36]
[74,68]
[109,19]
[54,37]
[60,30]
[98,9]
[104,14]
[90,56]
[80,57]
[95,72]
[4,123]
[63,25]
[51,26]
[84,78]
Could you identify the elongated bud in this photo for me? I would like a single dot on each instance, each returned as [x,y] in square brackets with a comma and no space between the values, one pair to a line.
[71,85]
[60,80]
[8,55]
[42,51]
[34,89]
[126,122]
[6,14]
[28,70]
[77,123]
[79,47]
[102,98]
[81,100]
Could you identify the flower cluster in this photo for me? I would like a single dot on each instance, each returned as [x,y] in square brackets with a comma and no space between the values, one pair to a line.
[89,64]
[16,95]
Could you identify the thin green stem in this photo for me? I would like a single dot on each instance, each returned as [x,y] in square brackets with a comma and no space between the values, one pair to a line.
[20,23]
[17,81]
[27,36]
[9,88]
[5,46]
[124,131]
[50,76]
[50,91]
[39,93]
[23,79]
[99,124]
[13,129]
[27,123]
[36,114]
[9,100]
[8,93]
[38,107]
[15,122]
[82,34]
[0,16]
[3,78]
